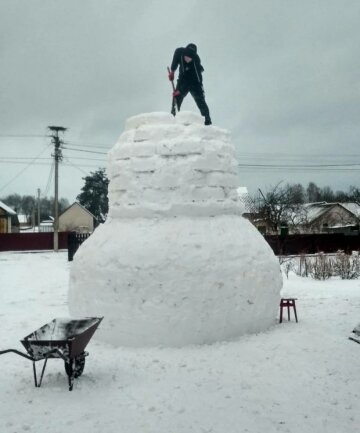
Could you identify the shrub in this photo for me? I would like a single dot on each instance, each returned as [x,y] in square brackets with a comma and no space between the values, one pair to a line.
[347,266]
[287,265]
[304,266]
[320,267]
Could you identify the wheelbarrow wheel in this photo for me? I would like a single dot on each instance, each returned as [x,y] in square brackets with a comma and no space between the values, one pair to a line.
[78,364]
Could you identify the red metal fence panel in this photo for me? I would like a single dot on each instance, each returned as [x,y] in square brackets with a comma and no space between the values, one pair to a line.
[281,245]
[31,241]
[313,243]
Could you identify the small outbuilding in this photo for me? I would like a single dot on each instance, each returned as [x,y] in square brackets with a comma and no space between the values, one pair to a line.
[77,218]
[9,222]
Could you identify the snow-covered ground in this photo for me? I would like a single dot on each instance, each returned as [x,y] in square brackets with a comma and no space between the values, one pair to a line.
[297,378]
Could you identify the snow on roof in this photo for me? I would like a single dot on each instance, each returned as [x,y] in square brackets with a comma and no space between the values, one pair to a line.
[339,225]
[245,198]
[352,207]
[46,223]
[22,219]
[242,190]
[314,210]
[76,203]
[7,208]
[50,219]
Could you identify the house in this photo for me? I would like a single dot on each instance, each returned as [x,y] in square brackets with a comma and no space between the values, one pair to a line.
[320,217]
[326,217]
[77,218]
[25,223]
[9,222]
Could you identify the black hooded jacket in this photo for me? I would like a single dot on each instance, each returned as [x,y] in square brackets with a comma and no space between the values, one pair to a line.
[191,71]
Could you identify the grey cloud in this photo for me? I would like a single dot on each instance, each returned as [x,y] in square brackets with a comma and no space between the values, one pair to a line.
[281,75]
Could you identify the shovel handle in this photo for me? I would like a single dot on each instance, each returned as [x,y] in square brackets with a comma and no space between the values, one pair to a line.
[172,83]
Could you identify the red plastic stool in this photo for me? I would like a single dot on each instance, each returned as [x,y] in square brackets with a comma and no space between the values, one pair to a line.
[287,302]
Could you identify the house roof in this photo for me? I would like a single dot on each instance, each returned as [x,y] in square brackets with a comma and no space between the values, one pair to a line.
[353,208]
[76,203]
[7,209]
[314,211]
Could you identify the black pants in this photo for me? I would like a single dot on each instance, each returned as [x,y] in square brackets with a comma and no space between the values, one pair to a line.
[197,92]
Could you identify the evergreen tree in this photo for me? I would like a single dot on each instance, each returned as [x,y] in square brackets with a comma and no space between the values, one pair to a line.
[14,201]
[94,195]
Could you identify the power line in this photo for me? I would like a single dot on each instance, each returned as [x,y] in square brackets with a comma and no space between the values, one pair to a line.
[9,158]
[25,168]
[76,166]
[23,136]
[300,165]
[292,154]
[99,146]
[48,183]
[23,159]
[283,168]
[24,162]
[48,164]
[87,151]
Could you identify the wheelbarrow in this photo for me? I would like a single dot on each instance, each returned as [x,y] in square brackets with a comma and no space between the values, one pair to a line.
[61,338]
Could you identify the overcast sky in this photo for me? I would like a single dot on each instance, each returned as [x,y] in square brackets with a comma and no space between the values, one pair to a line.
[281,75]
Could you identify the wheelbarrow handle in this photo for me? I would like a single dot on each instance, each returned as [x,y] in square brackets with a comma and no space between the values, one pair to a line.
[18,353]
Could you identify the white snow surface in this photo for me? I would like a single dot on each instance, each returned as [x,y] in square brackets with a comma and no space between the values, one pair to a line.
[294,377]
[175,263]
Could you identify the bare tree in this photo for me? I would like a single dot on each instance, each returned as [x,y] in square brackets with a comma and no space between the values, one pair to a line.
[282,205]
[354,193]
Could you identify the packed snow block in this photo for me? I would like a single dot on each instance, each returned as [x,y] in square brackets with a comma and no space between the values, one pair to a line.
[175,263]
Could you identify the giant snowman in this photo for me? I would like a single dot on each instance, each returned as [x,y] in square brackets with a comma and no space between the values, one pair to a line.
[175,263]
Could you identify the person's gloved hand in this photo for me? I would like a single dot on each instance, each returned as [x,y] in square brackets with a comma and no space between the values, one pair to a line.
[171,75]
[176,93]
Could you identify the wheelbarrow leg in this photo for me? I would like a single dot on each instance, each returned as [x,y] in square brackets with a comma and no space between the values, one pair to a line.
[43,371]
[34,370]
[38,384]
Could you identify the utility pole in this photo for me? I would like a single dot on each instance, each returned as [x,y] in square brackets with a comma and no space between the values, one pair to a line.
[57,157]
[38,209]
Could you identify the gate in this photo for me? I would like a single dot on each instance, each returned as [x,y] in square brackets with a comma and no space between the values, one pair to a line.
[74,241]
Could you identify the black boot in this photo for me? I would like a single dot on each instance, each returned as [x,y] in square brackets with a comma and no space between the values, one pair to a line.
[207,121]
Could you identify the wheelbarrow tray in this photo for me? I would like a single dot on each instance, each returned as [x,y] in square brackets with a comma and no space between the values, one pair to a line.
[69,336]
[60,338]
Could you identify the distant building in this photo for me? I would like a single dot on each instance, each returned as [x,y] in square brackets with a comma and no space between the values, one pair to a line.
[47,225]
[319,217]
[9,222]
[326,217]
[25,223]
[77,218]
